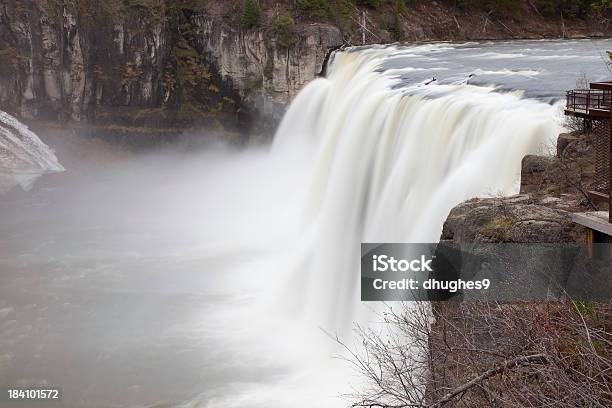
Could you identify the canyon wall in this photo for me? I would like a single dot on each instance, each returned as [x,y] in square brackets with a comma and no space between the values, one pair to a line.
[149,68]
[155,67]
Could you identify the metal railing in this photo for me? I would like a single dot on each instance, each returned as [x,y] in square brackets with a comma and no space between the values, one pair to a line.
[594,105]
[583,100]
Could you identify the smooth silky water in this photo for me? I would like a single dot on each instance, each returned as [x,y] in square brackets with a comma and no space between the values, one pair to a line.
[213,278]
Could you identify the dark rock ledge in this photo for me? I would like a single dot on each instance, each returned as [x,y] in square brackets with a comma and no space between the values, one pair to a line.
[551,189]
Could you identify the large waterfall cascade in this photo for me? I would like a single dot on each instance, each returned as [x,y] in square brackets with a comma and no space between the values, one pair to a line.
[390,159]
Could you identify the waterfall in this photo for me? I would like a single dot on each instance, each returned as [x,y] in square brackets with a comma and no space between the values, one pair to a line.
[390,159]
[214,271]
[23,156]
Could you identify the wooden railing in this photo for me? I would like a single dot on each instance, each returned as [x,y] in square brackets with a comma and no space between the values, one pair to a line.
[594,106]
[585,100]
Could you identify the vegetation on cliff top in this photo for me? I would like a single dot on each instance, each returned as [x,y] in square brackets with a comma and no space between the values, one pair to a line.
[334,10]
[391,16]
[486,354]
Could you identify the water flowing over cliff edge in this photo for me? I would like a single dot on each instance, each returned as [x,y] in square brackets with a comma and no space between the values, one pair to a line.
[23,156]
[391,157]
[215,271]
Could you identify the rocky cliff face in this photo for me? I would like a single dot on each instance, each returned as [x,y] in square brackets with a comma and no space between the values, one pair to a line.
[62,64]
[129,66]
[264,72]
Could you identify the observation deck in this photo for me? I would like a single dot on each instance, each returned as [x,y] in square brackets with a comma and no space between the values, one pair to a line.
[594,106]
[593,103]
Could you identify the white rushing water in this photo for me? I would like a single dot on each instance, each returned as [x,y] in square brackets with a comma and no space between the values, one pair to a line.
[23,156]
[204,279]
[389,160]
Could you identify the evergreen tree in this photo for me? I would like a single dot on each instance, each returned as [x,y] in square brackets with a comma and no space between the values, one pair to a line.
[250,14]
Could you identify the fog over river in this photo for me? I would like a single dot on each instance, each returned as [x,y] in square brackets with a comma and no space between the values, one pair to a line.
[209,277]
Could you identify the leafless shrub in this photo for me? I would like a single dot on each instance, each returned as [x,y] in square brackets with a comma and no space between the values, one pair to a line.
[477,354]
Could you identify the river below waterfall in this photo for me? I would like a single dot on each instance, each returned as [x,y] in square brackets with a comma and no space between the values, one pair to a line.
[210,277]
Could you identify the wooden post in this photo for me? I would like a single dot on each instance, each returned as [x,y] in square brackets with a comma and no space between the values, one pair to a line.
[589,242]
[610,167]
[363,28]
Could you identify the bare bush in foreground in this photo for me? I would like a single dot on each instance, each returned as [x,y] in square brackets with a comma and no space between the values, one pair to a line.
[477,354]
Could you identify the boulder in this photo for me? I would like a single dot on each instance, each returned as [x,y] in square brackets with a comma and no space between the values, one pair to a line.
[515,219]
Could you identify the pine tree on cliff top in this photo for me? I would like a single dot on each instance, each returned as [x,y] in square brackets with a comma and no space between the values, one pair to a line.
[250,14]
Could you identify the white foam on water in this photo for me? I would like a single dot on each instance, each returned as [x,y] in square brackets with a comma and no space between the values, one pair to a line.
[23,156]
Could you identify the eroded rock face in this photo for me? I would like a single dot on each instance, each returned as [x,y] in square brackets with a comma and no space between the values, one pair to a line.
[149,67]
[66,66]
[267,74]
[517,219]
[254,62]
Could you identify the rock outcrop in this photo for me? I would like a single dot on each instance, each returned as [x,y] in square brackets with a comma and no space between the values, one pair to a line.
[516,219]
[552,187]
[265,73]
[254,62]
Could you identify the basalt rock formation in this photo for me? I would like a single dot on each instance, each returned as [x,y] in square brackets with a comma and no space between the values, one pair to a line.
[149,66]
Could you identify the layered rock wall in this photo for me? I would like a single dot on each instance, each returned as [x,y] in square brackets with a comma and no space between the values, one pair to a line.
[149,67]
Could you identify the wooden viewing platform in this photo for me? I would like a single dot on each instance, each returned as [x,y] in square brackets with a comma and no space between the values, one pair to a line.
[593,103]
[594,106]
